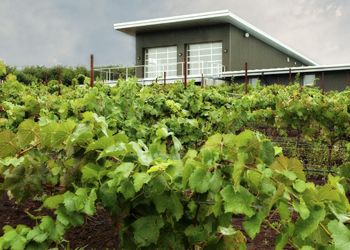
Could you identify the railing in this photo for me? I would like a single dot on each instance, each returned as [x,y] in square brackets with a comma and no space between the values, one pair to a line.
[155,72]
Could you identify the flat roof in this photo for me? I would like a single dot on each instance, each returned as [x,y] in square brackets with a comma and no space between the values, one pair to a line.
[274,71]
[208,18]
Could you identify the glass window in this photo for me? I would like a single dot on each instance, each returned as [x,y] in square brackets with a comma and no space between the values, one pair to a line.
[160,60]
[309,80]
[204,58]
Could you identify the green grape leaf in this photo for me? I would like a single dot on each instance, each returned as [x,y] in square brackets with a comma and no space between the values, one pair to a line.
[140,179]
[190,165]
[70,201]
[120,173]
[226,230]
[253,224]
[291,168]
[267,152]
[161,202]
[33,233]
[301,208]
[283,210]
[146,230]
[28,130]
[196,234]
[47,225]
[144,157]
[199,180]
[162,132]
[238,168]
[328,193]
[299,186]
[101,144]
[209,156]
[53,134]
[82,134]
[214,141]
[91,172]
[216,181]
[8,145]
[159,167]
[115,150]
[53,202]
[89,207]
[175,206]
[127,189]
[157,185]
[284,236]
[340,234]
[238,202]
[308,226]
[13,239]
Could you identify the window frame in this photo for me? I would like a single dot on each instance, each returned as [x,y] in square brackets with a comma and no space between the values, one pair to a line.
[154,70]
[193,57]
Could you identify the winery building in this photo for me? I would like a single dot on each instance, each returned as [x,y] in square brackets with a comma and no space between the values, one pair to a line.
[222,46]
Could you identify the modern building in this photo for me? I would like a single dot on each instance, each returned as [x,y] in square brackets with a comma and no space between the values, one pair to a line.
[222,46]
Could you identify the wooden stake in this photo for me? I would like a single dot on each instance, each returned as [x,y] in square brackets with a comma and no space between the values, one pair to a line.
[246,78]
[91,70]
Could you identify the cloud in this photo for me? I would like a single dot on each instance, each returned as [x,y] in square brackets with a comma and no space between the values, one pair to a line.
[338,12]
[66,32]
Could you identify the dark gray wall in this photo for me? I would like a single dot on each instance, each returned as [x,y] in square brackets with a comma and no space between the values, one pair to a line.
[181,37]
[240,49]
[336,80]
[256,53]
[333,80]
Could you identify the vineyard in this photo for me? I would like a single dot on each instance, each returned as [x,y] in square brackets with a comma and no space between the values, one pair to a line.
[176,168]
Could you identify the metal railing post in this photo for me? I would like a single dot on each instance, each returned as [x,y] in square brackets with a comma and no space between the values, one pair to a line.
[202,80]
[322,83]
[290,75]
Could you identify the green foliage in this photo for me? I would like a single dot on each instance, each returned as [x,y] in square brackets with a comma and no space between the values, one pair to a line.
[170,166]
[42,74]
[2,68]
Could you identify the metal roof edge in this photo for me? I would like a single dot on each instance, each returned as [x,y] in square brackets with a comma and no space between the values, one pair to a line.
[304,69]
[172,19]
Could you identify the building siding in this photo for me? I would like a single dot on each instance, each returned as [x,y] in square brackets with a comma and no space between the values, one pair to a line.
[256,53]
[239,48]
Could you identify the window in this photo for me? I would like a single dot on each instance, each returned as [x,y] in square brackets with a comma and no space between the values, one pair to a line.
[204,58]
[309,80]
[160,60]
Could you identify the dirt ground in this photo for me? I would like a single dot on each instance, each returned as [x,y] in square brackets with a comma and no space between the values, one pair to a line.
[97,232]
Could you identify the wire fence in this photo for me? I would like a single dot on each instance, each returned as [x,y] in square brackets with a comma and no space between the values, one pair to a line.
[318,158]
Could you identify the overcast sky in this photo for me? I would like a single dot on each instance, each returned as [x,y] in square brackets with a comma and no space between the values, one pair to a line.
[49,32]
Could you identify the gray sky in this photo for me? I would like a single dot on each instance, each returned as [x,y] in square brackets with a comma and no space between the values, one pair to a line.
[48,32]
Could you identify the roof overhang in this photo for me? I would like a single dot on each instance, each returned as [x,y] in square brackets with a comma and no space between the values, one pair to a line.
[208,18]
